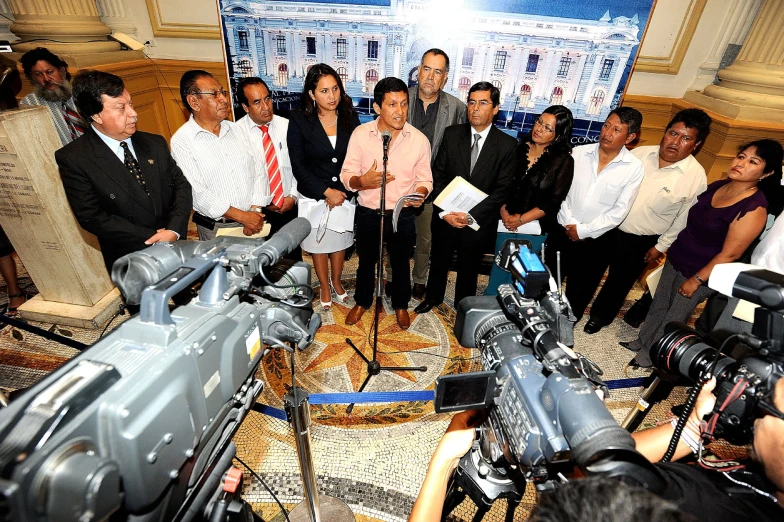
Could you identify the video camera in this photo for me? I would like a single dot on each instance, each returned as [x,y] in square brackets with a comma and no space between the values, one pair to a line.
[744,386]
[139,426]
[543,406]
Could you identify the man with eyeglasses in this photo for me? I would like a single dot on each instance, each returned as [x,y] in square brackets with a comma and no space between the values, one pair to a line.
[266,133]
[215,156]
[486,158]
[607,177]
[673,180]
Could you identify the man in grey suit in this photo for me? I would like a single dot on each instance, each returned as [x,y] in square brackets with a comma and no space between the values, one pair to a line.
[430,110]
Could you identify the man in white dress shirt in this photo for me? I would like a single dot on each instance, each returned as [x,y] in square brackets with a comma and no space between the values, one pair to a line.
[266,132]
[673,180]
[214,154]
[607,177]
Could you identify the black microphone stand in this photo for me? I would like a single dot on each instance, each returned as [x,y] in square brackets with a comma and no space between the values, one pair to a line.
[373,366]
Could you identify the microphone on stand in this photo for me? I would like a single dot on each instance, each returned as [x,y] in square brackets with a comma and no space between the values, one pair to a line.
[386,137]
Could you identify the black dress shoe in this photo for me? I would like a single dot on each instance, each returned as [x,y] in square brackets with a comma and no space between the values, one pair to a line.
[591,327]
[423,307]
[627,345]
[635,315]
[418,292]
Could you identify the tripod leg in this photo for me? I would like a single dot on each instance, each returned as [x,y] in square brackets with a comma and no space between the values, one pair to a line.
[354,346]
[454,497]
[364,383]
[511,506]
[404,368]
[481,511]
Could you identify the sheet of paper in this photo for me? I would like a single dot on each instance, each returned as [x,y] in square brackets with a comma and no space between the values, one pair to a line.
[745,311]
[653,279]
[237,232]
[341,219]
[414,196]
[459,196]
[532,228]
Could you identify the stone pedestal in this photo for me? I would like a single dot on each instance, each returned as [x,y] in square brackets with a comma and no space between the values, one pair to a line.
[74,25]
[752,87]
[64,261]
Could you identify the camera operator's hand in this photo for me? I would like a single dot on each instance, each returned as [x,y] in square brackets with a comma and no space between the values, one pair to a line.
[768,448]
[454,444]
[653,442]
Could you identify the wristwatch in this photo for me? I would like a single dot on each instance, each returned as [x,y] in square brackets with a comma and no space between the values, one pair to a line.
[469,220]
[698,278]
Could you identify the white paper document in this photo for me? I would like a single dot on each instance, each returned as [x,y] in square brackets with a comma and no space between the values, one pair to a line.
[531,228]
[401,203]
[237,232]
[340,219]
[459,196]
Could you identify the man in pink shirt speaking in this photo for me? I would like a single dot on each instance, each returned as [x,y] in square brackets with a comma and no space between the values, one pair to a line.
[408,170]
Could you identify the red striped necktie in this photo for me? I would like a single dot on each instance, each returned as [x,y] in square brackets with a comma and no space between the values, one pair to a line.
[75,123]
[273,169]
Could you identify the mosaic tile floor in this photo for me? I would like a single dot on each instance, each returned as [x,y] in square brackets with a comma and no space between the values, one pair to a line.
[375,458]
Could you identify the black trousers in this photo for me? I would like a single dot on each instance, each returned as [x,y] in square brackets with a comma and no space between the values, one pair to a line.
[583,263]
[470,249]
[276,222]
[626,253]
[400,246]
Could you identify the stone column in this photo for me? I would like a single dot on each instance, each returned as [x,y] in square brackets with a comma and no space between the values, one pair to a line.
[734,29]
[751,88]
[74,22]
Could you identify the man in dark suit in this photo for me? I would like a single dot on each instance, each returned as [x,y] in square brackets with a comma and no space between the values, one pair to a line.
[485,156]
[123,185]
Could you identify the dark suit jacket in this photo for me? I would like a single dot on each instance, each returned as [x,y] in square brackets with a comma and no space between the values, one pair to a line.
[315,163]
[493,172]
[109,202]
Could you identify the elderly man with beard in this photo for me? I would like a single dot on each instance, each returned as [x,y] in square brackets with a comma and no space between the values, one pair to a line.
[52,89]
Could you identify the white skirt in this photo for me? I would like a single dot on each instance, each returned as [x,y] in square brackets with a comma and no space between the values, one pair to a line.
[329,243]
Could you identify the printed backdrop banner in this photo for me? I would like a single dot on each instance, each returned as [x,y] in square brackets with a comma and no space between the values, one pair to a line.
[538,53]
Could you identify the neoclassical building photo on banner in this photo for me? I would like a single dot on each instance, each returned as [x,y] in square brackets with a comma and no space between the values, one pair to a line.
[538,55]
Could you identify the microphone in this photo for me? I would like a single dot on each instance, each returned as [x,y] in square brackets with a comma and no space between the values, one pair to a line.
[289,237]
[386,137]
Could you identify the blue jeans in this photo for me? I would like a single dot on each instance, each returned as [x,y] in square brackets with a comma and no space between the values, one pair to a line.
[499,277]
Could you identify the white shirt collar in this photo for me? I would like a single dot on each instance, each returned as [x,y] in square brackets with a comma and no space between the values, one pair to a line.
[113,144]
[483,134]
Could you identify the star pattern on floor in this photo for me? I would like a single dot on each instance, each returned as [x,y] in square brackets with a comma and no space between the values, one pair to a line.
[391,338]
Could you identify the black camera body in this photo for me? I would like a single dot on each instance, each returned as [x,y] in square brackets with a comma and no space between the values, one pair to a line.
[742,385]
[542,410]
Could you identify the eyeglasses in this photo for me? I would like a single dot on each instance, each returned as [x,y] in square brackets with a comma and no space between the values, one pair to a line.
[542,125]
[214,94]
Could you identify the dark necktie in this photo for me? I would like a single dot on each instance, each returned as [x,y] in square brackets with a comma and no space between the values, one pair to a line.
[475,151]
[133,166]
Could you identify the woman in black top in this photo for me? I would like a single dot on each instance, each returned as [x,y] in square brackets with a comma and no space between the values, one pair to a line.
[318,139]
[545,169]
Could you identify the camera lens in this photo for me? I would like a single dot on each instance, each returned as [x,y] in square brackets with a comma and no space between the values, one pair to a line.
[681,352]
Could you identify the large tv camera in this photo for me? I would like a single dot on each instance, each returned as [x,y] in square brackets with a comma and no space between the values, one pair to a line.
[543,407]
[743,386]
[139,426]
